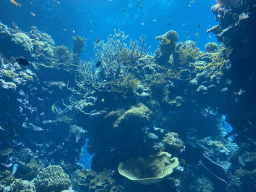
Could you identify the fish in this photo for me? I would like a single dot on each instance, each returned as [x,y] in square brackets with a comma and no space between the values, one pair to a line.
[166,41]
[199,25]
[73,31]
[125,10]
[142,23]
[154,20]
[15,3]
[65,29]
[98,40]
[170,24]
[141,6]
[33,14]
[58,3]
[198,35]
[14,169]
[22,61]
[138,3]
[95,24]
[98,64]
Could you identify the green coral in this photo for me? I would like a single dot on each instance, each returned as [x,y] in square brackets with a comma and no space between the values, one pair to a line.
[186,53]
[10,74]
[211,47]
[79,44]
[126,85]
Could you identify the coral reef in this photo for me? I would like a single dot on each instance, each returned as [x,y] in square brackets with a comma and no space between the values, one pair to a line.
[52,178]
[21,186]
[211,47]
[166,47]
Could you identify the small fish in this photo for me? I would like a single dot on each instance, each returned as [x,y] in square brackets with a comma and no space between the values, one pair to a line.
[150,21]
[170,24]
[73,31]
[90,21]
[210,36]
[125,10]
[14,169]
[142,23]
[98,40]
[58,3]
[138,3]
[91,31]
[199,25]
[95,24]
[198,35]
[64,29]
[154,20]
[166,41]
[33,14]
[141,6]
[15,3]
[22,61]
[98,64]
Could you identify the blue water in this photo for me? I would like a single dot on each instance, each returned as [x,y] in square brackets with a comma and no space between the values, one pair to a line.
[98,18]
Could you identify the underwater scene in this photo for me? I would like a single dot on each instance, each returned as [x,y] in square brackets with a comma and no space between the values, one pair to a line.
[127,96]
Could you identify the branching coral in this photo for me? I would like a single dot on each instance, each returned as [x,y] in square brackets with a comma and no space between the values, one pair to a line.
[117,56]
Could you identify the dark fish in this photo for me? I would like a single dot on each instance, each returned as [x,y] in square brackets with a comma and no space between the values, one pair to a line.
[125,10]
[169,23]
[98,64]
[22,61]
[199,25]
[98,40]
[138,3]
[141,6]
[95,24]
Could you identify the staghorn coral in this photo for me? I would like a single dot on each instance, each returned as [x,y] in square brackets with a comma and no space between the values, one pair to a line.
[52,178]
[116,56]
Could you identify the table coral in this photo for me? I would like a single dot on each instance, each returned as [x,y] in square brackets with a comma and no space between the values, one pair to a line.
[150,170]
